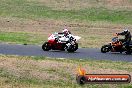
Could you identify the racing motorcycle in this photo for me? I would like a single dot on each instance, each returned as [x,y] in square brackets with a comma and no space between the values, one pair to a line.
[116,46]
[60,42]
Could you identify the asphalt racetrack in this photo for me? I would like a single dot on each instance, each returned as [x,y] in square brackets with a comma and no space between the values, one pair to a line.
[81,53]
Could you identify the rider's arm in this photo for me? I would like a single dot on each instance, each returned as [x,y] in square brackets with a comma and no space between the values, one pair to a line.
[122,33]
[60,33]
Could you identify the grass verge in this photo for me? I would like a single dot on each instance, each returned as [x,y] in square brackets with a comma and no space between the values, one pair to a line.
[34,10]
[44,72]
[20,38]
[38,19]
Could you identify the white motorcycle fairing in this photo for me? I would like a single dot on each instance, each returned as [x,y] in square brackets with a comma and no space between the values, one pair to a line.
[62,38]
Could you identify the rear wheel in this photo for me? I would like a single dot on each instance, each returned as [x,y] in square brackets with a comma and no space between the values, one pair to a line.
[46,46]
[105,49]
[128,53]
[129,50]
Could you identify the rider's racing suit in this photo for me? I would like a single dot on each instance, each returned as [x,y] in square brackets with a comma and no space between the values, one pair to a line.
[127,39]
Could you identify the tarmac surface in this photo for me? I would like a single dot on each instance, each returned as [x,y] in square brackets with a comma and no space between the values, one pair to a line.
[81,53]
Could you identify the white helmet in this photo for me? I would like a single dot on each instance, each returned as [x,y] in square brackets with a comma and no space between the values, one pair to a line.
[65,30]
[125,30]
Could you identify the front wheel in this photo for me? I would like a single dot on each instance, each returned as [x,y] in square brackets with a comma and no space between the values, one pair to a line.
[105,49]
[73,48]
[46,46]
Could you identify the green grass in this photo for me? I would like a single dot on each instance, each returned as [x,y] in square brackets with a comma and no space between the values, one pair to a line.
[20,38]
[63,68]
[13,37]
[105,64]
[32,10]
[50,19]
[22,76]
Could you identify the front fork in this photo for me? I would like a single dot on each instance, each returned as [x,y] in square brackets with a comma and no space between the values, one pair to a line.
[111,48]
[67,45]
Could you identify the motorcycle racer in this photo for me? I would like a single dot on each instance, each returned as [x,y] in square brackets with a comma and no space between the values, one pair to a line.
[126,41]
[66,32]
[61,41]
[63,36]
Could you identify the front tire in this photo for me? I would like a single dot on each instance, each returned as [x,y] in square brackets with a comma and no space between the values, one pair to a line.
[105,49]
[73,48]
[46,46]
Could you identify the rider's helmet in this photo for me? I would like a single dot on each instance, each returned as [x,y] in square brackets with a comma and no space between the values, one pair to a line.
[66,32]
[125,31]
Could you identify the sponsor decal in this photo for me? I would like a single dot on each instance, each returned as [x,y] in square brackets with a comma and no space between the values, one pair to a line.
[83,78]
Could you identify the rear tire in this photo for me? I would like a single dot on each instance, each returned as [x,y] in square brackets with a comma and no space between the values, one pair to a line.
[46,46]
[128,52]
[105,49]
